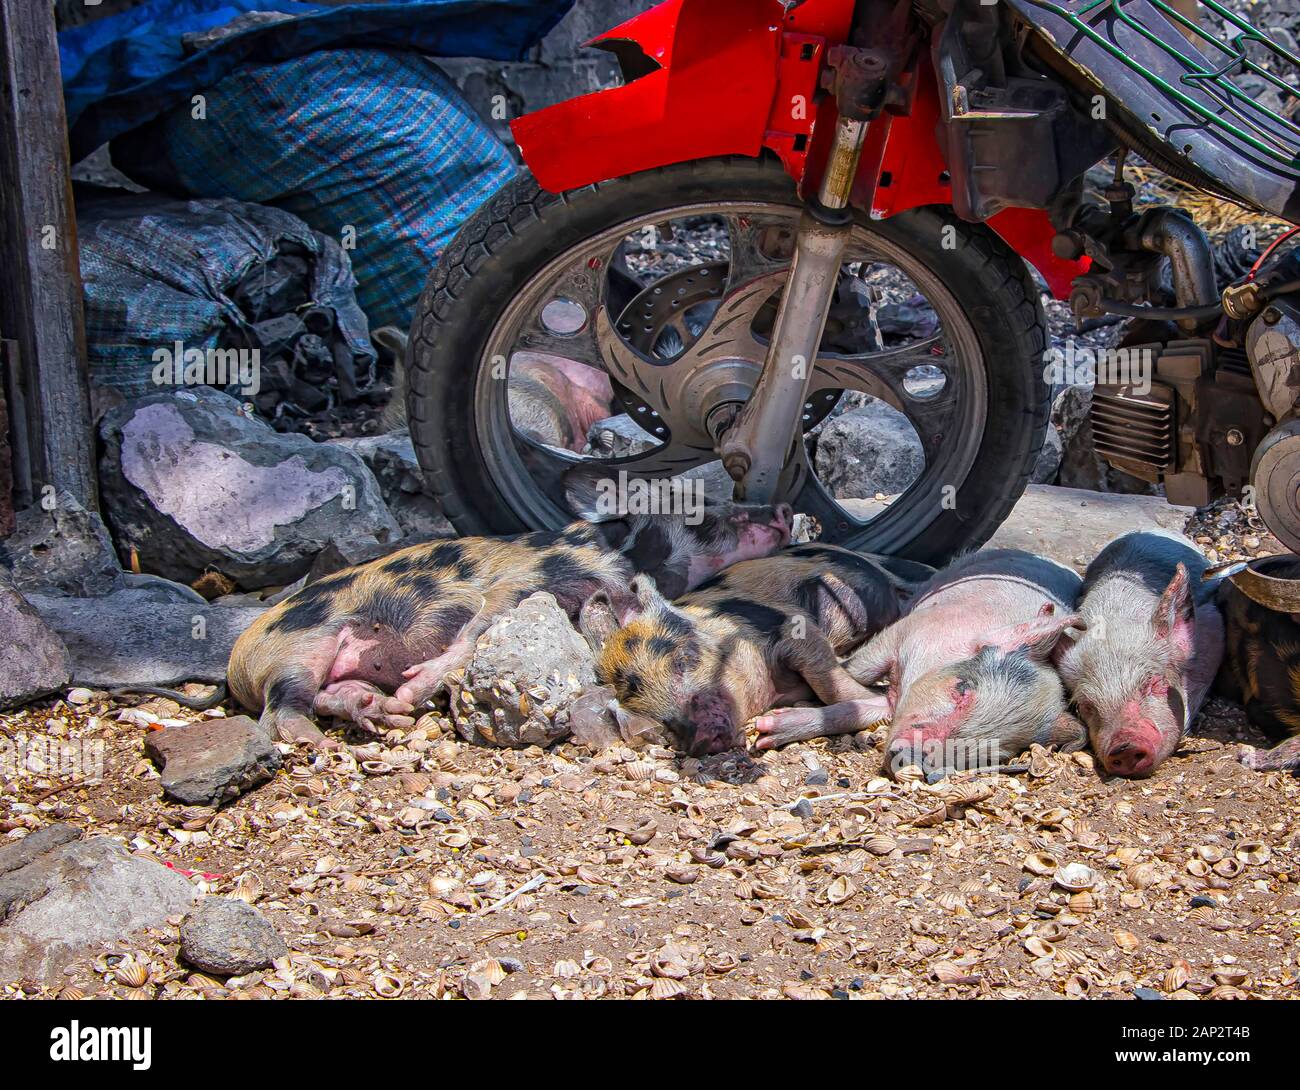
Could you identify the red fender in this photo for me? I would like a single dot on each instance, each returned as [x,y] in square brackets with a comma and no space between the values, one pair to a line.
[735,77]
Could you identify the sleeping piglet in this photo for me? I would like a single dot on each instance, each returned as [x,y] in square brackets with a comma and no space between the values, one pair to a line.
[1153,644]
[971,682]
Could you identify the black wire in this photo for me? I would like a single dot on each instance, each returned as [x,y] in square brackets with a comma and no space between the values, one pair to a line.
[1164,314]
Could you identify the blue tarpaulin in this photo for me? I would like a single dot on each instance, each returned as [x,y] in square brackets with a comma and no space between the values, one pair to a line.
[124,70]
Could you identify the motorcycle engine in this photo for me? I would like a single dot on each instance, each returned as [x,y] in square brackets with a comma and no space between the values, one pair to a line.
[1207,420]
[1184,413]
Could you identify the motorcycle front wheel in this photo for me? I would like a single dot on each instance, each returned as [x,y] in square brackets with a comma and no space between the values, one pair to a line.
[596,332]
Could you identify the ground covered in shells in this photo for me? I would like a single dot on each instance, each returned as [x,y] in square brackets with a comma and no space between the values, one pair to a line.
[420,866]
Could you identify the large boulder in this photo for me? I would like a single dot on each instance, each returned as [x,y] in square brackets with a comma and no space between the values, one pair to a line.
[59,894]
[391,458]
[192,483]
[64,547]
[33,660]
[528,669]
[868,450]
[154,635]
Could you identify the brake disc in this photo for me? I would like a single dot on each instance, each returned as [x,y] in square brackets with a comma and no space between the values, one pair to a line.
[657,324]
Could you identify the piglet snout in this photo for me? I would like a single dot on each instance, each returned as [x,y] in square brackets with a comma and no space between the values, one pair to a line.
[1132,754]
[902,752]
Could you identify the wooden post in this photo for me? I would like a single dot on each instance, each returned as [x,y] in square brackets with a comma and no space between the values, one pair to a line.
[40,297]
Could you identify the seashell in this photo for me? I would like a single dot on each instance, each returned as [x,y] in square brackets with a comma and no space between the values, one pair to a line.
[1127,941]
[723,963]
[1198,868]
[1211,853]
[793,990]
[455,840]
[1234,977]
[910,774]
[138,993]
[598,964]
[388,985]
[1041,863]
[1204,914]
[1253,853]
[1039,948]
[666,988]
[966,794]
[682,873]
[70,991]
[1052,817]
[639,771]
[1228,867]
[1051,932]
[1127,856]
[951,901]
[880,844]
[566,970]
[928,819]
[248,887]
[1072,958]
[1176,977]
[476,808]
[131,973]
[1076,877]
[840,890]
[491,970]
[1041,764]
[945,972]
[1226,991]
[1082,902]
[1143,875]
[751,914]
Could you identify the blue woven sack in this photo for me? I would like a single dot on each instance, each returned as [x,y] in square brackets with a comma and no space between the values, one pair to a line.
[159,273]
[372,147]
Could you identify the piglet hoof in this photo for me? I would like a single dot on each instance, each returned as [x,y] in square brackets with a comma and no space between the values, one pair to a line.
[298,730]
[779,728]
[378,714]
[1250,757]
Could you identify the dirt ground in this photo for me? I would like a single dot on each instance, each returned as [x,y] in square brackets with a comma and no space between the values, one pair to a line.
[389,870]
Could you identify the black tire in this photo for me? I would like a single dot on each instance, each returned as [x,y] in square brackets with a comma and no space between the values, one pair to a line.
[523,227]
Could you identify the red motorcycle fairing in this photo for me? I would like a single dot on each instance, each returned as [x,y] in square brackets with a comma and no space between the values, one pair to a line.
[732,77]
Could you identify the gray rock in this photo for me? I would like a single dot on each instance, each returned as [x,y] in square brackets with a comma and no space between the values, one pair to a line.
[214,760]
[528,669]
[1071,525]
[229,938]
[391,458]
[192,483]
[1049,457]
[617,437]
[868,450]
[33,659]
[144,636]
[67,549]
[59,895]
[338,555]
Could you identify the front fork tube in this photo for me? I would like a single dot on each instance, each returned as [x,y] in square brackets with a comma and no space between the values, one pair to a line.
[757,444]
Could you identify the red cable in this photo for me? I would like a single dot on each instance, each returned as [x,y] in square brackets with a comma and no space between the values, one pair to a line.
[1271,247]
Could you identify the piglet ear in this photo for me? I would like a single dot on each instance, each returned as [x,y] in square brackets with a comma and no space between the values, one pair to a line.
[601,616]
[1175,606]
[1038,638]
[1065,732]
